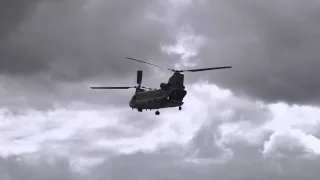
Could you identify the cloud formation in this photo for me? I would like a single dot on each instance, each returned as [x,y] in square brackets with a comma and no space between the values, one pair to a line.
[73,40]
[205,140]
[272,46]
[53,127]
[53,53]
[11,17]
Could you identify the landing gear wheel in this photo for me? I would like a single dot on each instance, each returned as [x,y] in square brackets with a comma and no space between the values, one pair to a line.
[157,113]
[140,110]
[180,108]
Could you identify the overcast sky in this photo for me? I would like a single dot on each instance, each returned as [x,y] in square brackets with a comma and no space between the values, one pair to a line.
[258,120]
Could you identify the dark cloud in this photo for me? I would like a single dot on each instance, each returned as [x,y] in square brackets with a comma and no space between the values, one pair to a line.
[19,167]
[12,15]
[247,163]
[282,156]
[59,48]
[43,93]
[76,39]
[66,46]
[272,45]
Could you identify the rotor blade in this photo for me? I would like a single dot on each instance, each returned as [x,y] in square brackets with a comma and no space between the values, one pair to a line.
[207,69]
[150,64]
[111,87]
[139,77]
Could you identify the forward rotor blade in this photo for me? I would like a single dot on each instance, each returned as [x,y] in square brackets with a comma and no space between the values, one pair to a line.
[207,69]
[150,63]
[139,77]
[111,87]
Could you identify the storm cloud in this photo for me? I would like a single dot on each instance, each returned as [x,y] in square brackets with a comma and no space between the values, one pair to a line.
[211,138]
[73,40]
[13,13]
[56,49]
[56,46]
[54,127]
[273,47]
[171,162]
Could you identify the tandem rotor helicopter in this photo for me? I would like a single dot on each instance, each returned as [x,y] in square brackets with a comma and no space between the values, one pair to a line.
[169,95]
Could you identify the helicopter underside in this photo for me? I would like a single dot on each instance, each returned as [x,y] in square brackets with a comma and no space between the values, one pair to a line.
[152,105]
[174,99]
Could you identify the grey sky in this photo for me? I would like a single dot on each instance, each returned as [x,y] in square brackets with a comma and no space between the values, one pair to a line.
[56,47]
[74,40]
[12,15]
[51,51]
[166,164]
[272,45]
[239,142]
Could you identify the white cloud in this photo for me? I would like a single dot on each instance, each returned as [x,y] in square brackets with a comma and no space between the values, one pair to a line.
[216,129]
[86,134]
[205,104]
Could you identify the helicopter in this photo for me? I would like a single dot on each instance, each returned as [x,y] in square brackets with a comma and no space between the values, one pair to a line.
[170,94]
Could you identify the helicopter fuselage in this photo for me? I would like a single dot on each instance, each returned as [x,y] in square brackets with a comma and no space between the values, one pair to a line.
[158,99]
[171,94]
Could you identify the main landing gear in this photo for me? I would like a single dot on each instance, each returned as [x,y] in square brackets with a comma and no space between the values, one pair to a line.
[157,112]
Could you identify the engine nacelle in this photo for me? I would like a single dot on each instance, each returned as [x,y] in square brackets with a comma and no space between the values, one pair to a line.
[163,85]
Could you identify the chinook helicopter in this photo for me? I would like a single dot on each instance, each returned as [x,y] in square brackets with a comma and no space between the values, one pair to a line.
[169,95]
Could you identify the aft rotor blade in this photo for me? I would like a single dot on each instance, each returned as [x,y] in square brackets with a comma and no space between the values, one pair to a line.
[111,87]
[150,63]
[207,69]
[139,77]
